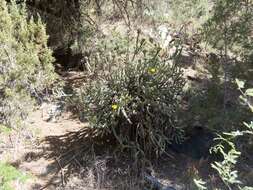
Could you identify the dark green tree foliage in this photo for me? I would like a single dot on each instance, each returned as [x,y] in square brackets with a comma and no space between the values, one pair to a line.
[231,25]
[62,18]
[228,31]
[25,63]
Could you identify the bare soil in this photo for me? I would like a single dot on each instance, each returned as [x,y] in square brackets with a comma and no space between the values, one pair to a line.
[59,156]
[62,155]
[27,148]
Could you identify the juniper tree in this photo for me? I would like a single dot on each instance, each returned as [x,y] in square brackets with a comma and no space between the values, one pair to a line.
[25,62]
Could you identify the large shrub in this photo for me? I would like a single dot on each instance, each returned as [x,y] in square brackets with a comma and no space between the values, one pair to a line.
[25,62]
[136,101]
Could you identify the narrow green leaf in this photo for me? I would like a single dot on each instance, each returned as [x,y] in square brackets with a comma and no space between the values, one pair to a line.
[240,83]
[249,92]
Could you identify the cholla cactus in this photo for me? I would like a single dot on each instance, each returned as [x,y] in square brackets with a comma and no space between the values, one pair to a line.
[25,62]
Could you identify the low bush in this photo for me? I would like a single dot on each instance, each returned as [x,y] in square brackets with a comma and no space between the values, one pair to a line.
[137,101]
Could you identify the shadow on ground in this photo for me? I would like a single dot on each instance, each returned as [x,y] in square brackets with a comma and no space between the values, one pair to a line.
[78,160]
[69,154]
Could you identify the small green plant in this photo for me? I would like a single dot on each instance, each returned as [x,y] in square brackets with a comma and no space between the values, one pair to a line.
[200,184]
[4,129]
[192,180]
[137,101]
[226,146]
[226,168]
[9,174]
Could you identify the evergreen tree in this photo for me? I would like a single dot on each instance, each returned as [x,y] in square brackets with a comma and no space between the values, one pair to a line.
[25,62]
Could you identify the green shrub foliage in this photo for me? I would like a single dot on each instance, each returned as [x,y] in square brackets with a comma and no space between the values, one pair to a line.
[227,145]
[231,25]
[136,102]
[25,62]
[9,174]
